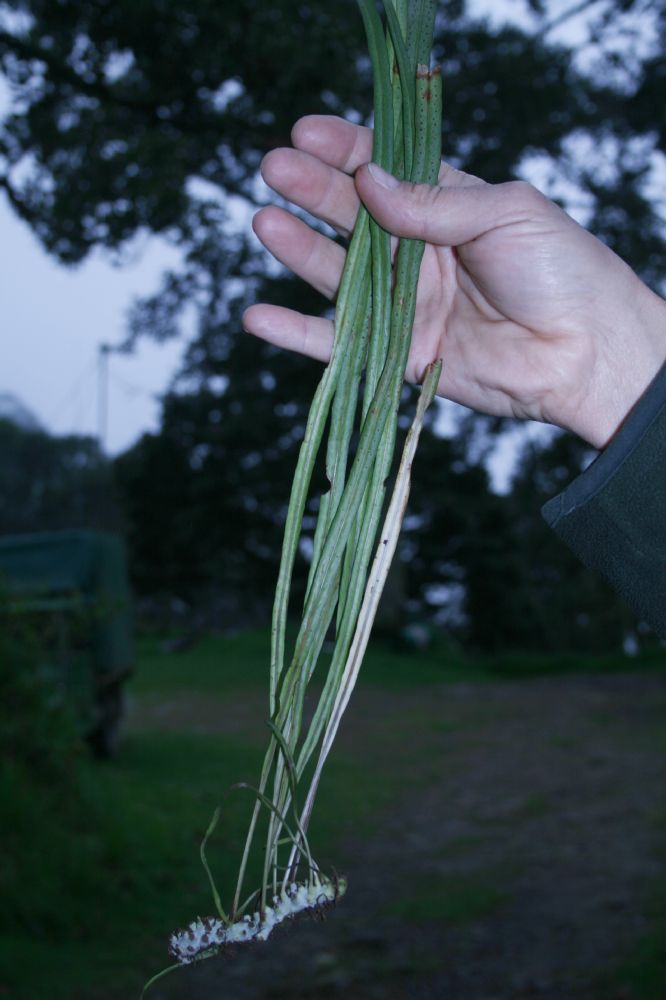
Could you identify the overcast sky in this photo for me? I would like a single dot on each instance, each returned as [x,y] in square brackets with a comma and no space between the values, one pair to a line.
[53,321]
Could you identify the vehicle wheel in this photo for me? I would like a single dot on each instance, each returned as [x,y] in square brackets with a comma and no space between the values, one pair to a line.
[104,740]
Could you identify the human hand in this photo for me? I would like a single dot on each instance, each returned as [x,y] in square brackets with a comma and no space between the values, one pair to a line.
[533,316]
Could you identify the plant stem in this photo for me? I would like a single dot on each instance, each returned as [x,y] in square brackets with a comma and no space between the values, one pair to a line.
[373,332]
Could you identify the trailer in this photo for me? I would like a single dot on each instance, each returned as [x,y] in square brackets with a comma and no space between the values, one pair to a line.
[70,590]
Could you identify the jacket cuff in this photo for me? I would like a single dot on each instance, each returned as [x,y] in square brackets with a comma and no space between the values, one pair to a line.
[613,516]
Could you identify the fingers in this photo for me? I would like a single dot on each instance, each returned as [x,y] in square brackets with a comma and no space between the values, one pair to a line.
[311,256]
[448,215]
[292,331]
[320,189]
[335,141]
[316,174]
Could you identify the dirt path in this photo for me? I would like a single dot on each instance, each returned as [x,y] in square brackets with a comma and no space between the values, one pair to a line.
[514,863]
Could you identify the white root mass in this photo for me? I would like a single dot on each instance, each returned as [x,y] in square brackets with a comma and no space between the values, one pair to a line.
[203,938]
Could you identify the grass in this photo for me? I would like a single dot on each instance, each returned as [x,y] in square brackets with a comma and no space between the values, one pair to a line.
[209,666]
[100,862]
[537,664]
[103,862]
[456,900]
[642,974]
[114,864]
[212,665]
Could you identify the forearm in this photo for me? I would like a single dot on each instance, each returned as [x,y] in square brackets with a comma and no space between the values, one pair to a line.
[613,516]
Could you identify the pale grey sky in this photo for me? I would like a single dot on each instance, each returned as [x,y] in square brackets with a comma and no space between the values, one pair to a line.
[53,320]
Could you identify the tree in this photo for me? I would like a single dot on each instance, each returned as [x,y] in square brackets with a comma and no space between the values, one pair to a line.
[205,499]
[129,118]
[127,112]
[52,483]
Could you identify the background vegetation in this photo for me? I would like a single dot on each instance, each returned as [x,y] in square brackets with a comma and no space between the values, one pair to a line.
[154,117]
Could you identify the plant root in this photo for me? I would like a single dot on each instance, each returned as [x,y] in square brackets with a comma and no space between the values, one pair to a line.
[210,936]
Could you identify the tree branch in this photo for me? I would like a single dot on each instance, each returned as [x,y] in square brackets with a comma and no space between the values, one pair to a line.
[560,19]
[61,72]
[15,201]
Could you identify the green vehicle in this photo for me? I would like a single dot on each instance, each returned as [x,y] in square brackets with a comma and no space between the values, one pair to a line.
[71,590]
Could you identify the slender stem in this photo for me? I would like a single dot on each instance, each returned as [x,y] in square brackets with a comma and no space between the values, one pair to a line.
[426,164]
[351,291]
[382,562]
[350,511]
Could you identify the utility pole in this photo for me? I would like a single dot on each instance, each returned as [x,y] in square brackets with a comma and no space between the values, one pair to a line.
[103,394]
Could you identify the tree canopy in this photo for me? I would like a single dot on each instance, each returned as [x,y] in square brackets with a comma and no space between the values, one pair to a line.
[152,117]
[52,483]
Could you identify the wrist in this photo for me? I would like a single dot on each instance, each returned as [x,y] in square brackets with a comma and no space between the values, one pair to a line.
[630,353]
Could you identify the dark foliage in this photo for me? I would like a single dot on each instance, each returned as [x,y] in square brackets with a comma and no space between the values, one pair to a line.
[53,483]
[129,118]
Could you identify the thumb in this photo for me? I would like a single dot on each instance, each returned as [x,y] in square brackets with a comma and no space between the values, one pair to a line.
[448,215]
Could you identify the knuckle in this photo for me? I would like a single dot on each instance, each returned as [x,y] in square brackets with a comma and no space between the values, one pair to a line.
[354,148]
[425,197]
[424,202]
[525,194]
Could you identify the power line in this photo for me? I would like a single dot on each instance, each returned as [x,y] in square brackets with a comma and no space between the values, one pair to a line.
[73,393]
[131,388]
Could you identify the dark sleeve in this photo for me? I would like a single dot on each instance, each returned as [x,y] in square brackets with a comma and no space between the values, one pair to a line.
[613,516]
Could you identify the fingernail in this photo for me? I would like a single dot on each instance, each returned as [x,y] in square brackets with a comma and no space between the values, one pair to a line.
[381,177]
